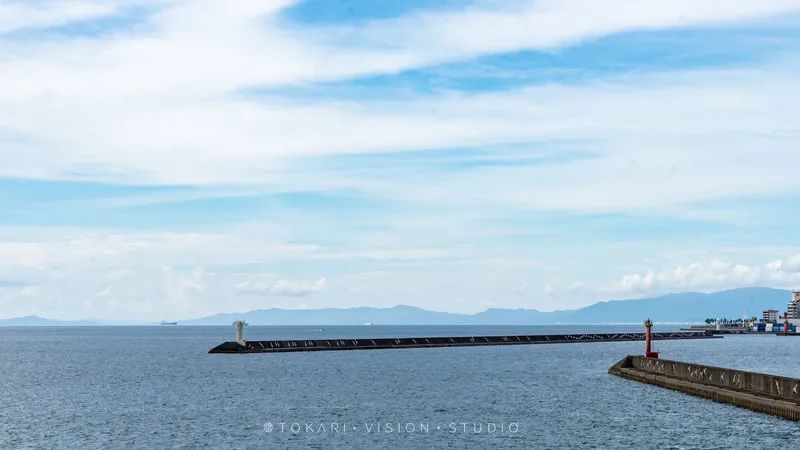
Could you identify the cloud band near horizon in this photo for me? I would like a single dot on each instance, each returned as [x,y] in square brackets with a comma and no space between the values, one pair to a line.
[159,157]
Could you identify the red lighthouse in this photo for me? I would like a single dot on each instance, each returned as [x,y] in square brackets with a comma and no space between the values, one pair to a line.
[648,340]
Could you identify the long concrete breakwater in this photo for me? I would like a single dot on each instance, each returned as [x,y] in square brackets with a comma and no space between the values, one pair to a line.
[761,392]
[439,341]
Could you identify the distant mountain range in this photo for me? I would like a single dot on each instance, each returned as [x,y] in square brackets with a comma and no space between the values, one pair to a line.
[689,307]
[36,321]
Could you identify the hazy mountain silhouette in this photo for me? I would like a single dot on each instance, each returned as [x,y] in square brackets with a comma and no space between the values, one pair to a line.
[683,308]
[36,321]
[688,307]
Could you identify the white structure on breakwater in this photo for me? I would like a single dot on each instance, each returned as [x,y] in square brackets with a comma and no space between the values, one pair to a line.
[239,325]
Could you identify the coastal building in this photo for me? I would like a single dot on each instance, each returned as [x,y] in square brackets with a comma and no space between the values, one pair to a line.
[770,316]
[793,308]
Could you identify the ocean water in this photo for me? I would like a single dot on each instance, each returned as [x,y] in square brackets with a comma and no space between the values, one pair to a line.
[94,387]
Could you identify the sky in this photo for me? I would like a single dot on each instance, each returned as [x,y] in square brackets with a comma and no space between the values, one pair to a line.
[174,159]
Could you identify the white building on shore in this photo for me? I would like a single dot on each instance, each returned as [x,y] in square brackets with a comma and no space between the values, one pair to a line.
[793,308]
[770,316]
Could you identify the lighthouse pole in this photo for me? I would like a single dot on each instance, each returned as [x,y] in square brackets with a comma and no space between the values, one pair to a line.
[648,337]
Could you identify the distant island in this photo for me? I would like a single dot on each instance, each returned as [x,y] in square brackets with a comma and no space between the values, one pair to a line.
[688,307]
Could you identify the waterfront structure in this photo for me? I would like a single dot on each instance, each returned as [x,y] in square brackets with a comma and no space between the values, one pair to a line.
[793,308]
[239,340]
[770,316]
[760,392]
[240,345]
[648,338]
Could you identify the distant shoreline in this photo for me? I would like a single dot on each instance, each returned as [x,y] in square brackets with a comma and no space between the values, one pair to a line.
[672,309]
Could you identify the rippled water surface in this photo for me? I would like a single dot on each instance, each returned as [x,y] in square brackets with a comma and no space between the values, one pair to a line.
[157,387]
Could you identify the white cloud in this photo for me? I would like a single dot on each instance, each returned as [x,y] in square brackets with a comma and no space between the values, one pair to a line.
[15,15]
[494,27]
[109,274]
[196,280]
[651,149]
[289,288]
[153,276]
[29,291]
[162,104]
[161,108]
[711,275]
[790,265]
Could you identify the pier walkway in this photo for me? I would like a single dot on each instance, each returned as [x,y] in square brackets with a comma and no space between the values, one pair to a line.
[761,392]
[421,342]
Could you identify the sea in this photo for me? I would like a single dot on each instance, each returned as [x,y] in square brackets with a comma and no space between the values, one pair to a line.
[157,387]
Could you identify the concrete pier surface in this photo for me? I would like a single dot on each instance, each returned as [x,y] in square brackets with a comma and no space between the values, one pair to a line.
[439,341]
[761,392]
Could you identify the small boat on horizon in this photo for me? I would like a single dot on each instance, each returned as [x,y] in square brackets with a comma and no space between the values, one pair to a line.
[164,322]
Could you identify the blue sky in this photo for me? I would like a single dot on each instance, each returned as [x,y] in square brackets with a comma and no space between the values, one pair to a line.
[171,159]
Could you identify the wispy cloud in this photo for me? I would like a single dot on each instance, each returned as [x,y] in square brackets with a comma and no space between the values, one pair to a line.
[289,288]
[202,169]
[176,82]
[15,15]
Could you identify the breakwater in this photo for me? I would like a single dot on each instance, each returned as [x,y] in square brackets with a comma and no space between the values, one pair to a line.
[439,341]
[761,392]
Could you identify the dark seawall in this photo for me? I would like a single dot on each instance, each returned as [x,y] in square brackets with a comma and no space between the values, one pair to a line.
[761,392]
[421,342]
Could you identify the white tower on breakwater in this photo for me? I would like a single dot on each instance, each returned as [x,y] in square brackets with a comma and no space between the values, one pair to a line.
[240,324]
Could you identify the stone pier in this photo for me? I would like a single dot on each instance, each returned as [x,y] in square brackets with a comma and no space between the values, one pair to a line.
[761,392]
